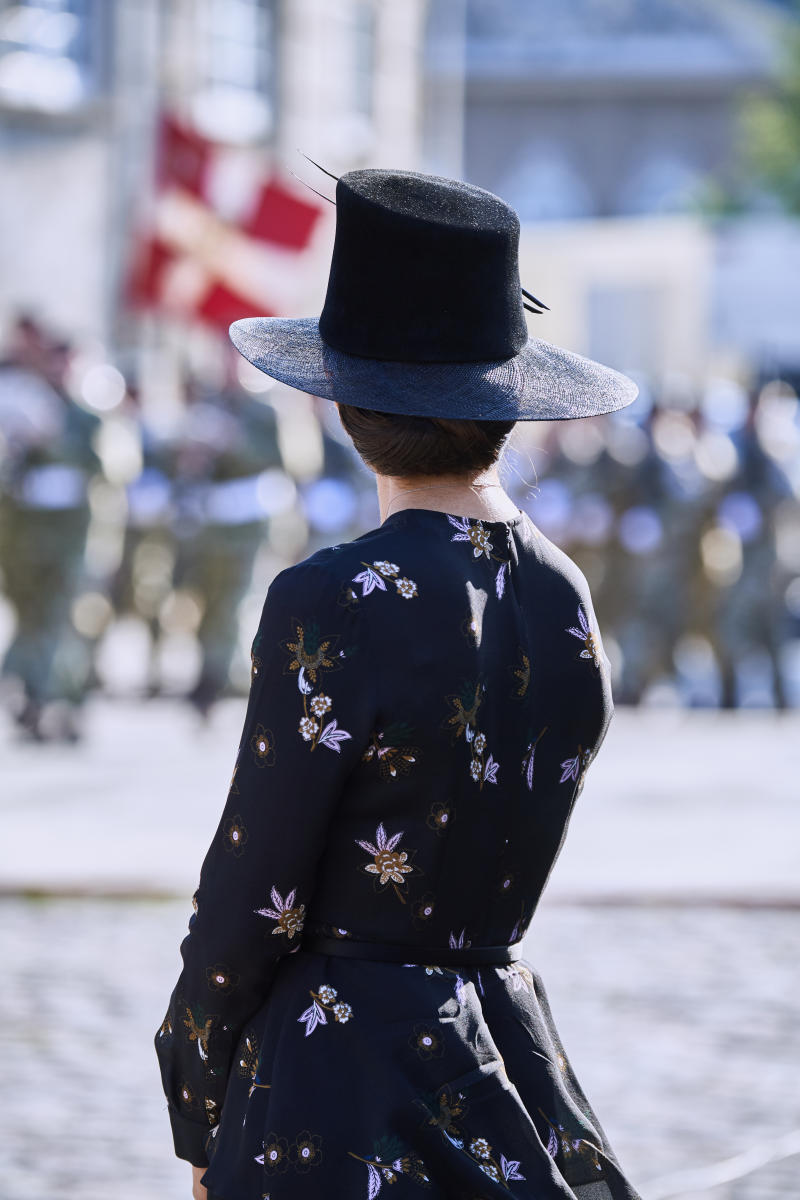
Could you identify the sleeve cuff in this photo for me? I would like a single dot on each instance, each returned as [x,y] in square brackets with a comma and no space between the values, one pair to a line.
[189,1138]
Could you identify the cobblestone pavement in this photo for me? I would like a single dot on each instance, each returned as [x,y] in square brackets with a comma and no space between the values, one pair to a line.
[682,1024]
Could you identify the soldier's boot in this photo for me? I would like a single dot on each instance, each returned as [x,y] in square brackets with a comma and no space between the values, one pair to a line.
[59,722]
[28,718]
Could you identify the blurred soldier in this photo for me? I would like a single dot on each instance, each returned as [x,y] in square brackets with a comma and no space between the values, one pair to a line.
[227,441]
[658,536]
[594,481]
[748,614]
[143,579]
[44,518]
[596,464]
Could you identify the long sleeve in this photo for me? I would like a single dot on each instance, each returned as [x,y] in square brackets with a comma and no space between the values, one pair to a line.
[308,717]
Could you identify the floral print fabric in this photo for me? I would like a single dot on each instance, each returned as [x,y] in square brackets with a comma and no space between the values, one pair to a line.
[425,702]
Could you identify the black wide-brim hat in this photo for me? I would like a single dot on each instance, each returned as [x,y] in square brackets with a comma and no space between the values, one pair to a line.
[424,314]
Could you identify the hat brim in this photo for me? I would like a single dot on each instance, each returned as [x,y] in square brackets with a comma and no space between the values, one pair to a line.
[542,383]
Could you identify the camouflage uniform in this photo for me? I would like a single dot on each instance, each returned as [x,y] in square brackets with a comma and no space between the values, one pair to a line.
[220,519]
[748,616]
[44,518]
[143,580]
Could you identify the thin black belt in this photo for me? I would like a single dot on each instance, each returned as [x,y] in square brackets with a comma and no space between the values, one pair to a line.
[401,952]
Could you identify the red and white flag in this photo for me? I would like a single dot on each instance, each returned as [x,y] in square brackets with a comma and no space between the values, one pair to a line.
[226,239]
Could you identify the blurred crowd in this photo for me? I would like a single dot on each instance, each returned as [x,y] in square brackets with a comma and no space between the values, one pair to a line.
[683,511]
[107,516]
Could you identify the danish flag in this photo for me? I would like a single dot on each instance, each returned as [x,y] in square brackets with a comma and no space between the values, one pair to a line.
[226,239]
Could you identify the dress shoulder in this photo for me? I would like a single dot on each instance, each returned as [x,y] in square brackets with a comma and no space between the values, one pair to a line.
[329,574]
[316,577]
[559,563]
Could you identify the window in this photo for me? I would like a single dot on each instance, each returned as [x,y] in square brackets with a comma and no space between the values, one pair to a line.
[47,56]
[235,96]
[543,185]
[364,56]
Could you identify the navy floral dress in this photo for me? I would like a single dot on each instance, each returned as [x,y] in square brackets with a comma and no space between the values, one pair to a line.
[425,701]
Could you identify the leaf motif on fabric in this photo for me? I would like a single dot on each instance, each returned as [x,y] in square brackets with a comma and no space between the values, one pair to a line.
[313,1016]
[569,769]
[583,632]
[490,770]
[529,769]
[510,1168]
[369,580]
[331,736]
[462,524]
[373,1181]
[381,841]
[582,628]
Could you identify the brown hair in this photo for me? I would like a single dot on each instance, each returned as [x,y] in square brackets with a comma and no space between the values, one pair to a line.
[398,444]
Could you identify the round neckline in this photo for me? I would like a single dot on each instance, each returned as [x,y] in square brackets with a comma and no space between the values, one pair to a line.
[437,512]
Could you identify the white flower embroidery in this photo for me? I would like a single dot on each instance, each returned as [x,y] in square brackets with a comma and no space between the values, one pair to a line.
[308,727]
[482,772]
[374,576]
[324,998]
[406,587]
[507,1168]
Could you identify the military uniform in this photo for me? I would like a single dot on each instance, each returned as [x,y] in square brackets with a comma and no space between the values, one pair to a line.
[44,518]
[220,514]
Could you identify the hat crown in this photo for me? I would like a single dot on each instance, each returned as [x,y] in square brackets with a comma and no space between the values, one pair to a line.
[424,269]
[432,198]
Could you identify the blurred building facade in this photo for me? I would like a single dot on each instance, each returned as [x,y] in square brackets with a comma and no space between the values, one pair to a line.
[582,110]
[610,127]
[82,82]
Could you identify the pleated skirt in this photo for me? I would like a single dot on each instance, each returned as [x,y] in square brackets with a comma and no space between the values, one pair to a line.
[356,1077]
